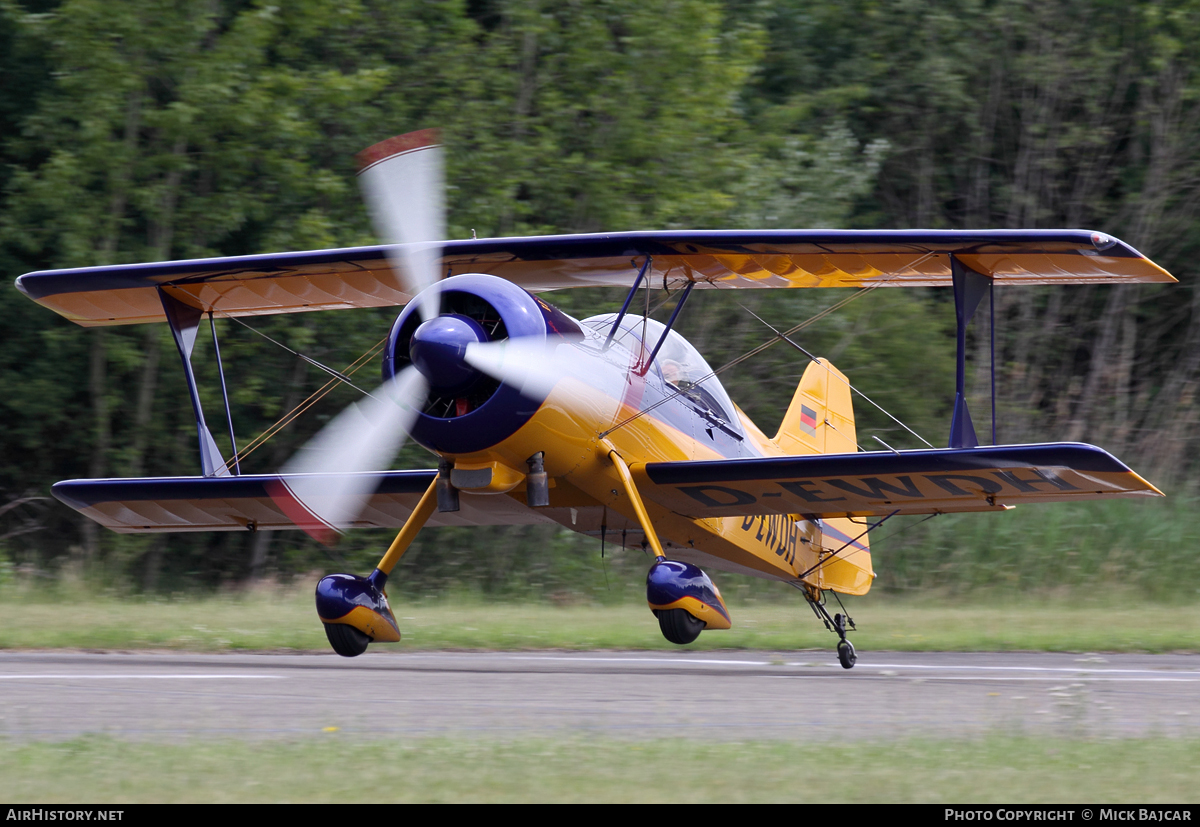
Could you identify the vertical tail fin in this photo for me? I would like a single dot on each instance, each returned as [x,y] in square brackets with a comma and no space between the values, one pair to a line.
[820,419]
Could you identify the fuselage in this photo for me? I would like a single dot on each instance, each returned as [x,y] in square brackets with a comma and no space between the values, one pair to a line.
[608,395]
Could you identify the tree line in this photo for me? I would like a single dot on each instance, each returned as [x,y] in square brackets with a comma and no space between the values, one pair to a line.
[151,130]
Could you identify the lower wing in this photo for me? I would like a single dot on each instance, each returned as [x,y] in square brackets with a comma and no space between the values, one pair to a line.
[177,504]
[990,478]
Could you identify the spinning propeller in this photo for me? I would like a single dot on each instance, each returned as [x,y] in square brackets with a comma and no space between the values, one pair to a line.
[403,182]
[323,489]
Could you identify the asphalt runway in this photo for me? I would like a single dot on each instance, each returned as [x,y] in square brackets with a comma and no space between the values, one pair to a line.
[635,695]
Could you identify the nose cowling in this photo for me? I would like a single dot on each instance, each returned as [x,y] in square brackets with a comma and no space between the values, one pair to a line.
[466,412]
[437,348]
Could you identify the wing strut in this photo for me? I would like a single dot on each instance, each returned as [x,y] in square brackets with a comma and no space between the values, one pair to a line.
[185,321]
[237,465]
[666,330]
[969,288]
[625,307]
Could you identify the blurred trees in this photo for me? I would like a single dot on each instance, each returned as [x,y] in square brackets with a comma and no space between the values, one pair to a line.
[154,130]
[1014,114]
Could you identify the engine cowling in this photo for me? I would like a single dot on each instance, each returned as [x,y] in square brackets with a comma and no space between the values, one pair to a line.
[467,411]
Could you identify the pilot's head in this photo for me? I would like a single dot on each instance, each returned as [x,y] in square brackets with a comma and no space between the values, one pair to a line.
[672,371]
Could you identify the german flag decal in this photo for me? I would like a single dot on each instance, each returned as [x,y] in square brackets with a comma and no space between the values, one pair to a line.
[808,420]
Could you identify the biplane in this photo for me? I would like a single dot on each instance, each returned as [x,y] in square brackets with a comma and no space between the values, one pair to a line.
[612,426]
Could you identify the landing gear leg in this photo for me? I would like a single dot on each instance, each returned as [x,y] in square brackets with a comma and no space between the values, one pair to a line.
[839,623]
[682,597]
[355,610]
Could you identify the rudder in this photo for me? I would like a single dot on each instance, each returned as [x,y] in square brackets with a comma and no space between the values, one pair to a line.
[820,419]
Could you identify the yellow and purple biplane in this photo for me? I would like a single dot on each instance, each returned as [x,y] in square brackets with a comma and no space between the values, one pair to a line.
[613,426]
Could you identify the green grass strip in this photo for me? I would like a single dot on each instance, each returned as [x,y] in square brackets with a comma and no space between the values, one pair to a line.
[343,769]
[274,620]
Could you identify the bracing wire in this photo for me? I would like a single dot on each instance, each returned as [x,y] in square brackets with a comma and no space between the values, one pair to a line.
[338,375]
[831,557]
[755,351]
[315,396]
[900,531]
[846,381]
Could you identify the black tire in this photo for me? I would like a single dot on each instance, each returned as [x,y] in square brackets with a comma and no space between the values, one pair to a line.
[846,654]
[346,640]
[679,626]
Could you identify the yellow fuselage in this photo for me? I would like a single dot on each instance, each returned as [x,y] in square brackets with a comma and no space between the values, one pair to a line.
[585,485]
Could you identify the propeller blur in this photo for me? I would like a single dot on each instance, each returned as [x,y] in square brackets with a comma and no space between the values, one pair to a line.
[402,180]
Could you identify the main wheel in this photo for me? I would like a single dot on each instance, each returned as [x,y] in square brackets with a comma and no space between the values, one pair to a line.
[846,654]
[346,640]
[679,626]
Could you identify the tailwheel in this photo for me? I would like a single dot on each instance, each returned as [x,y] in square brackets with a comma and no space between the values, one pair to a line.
[846,655]
[678,625]
[845,649]
[839,624]
[346,640]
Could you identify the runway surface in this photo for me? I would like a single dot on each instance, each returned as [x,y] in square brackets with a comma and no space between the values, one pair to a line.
[635,695]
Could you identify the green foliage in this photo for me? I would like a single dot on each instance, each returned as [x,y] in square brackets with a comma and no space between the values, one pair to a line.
[603,116]
[891,344]
[155,130]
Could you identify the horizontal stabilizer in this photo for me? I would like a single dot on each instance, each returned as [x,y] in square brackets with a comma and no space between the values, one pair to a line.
[877,483]
[178,504]
[362,276]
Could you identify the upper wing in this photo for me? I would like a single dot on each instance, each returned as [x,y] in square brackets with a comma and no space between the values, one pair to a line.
[876,483]
[361,277]
[161,504]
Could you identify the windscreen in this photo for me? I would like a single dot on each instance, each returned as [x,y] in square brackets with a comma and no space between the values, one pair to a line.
[677,363]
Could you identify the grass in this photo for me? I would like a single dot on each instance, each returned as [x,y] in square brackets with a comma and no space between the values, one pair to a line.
[277,619]
[1087,577]
[336,769]
[1147,546]
[330,767]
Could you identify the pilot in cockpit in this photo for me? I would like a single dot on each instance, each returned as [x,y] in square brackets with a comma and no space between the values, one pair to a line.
[673,373]
[676,375]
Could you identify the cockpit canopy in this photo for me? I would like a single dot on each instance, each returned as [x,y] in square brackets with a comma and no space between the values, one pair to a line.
[677,362]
